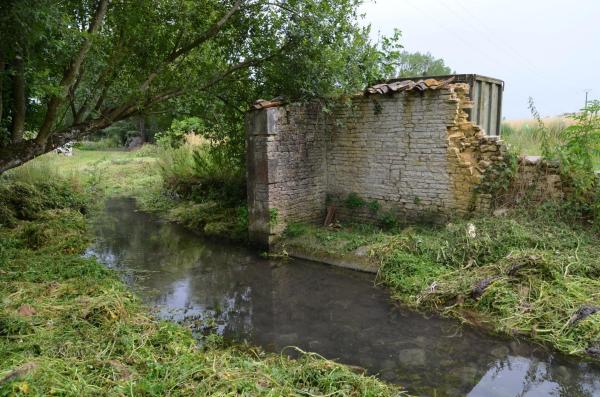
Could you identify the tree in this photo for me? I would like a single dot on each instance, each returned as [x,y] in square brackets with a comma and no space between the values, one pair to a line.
[71,68]
[397,63]
[418,64]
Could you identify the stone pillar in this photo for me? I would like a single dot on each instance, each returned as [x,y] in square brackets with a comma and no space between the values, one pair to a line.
[260,124]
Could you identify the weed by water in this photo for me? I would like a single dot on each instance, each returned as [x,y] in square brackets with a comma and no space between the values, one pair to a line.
[208,194]
[178,183]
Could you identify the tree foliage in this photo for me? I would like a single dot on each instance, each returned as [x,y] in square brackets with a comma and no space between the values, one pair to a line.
[421,64]
[410,64]
[73,67]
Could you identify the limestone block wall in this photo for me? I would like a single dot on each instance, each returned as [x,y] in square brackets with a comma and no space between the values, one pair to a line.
[286,172]
[392,150]
[411,155]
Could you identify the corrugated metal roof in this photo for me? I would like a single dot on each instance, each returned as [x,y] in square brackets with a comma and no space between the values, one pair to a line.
[408,85]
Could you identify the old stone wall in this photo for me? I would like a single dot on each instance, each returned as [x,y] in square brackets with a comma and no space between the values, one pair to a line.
[411,155]
[287,178]
[391,150]
[535,180]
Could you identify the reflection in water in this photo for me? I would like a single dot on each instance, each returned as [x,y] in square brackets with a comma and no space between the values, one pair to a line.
[335,312]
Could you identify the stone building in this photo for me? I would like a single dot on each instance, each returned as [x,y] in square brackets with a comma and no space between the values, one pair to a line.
[402,149]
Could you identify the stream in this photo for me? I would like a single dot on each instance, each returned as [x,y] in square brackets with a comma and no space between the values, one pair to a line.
[335,312]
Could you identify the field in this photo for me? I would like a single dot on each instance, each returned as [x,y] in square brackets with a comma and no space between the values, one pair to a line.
[524,137]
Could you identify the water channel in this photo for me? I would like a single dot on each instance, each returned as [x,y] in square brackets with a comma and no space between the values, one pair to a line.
[337,313]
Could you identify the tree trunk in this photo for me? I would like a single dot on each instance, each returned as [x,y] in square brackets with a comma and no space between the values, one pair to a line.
[18,153]
[142,127]
[15,154]
[19,100]
[2,68]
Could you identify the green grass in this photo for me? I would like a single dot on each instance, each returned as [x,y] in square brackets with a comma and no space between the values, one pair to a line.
[525,137]
[69,326]
[538,266]
[104,173]
[162,180]
[211,194]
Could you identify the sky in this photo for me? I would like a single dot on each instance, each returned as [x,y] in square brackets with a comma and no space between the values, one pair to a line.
[545,49]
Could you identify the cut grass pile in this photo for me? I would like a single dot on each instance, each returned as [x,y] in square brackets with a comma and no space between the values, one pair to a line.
[527,273]
[68,326]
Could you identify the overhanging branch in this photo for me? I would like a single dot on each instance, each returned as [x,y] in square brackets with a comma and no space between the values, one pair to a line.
[71,74]
[178,52]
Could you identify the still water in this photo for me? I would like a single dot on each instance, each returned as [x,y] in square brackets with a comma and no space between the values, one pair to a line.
[337,313]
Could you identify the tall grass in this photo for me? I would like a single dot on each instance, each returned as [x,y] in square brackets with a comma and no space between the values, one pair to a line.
[176,164]
[42,169]
[209,190]
[526,137]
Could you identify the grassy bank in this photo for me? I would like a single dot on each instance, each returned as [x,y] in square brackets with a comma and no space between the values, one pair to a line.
[530,272]
[173,182]
[68,326]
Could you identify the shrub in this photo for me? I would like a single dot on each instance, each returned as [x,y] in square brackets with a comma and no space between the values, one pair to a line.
[211,187]
[354,201]
[388,220]
[577,151]
[176,166]
[218,177]
[175,136]
[373,205]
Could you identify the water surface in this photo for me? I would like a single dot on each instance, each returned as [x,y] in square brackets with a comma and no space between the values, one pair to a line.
[337,313]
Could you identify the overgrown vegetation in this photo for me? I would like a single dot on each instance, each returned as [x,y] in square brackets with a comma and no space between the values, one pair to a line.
[209,190]
[68,326]
[179,130]
[576,151]
[194,184]
[354,201]
[526,273]
[525,137]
